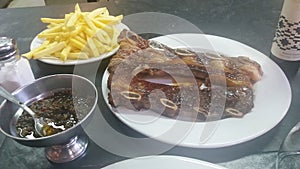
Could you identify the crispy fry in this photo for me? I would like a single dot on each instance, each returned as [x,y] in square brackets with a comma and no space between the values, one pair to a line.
[65,52]
[102,26]
[49,50]
[49,35]
[80,39]
[93,47]
[90,23]
[88,32]
[54,28]
[30,54]
[77,9]
[77,44]
[110,19]
[72,21]
[80,55]
[98,12]
[102,36]
[50,20]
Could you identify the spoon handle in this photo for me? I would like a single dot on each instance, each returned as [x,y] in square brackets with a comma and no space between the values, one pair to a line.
[4,93]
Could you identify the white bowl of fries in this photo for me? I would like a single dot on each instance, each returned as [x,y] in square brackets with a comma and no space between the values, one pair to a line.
[78,38]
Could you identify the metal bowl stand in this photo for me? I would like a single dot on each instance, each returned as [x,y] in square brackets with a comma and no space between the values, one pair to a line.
[67,152]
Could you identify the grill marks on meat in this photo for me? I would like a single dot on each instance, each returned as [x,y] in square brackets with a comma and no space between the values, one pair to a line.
[180,83]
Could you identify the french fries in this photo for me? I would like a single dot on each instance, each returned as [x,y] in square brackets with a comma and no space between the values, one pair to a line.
[79,35]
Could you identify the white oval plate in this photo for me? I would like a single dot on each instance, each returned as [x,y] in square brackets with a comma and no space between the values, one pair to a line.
[36,42]
[164,161]
[271,102]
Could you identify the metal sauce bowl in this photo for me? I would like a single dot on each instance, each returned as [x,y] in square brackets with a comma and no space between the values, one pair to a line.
[37,90]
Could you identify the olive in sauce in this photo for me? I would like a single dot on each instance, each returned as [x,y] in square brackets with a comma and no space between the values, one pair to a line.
[60,110]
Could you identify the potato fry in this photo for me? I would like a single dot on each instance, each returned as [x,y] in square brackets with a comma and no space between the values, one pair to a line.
[71,22]
[93,47]
[97,12]
[80,39]
[55,28]
[77,9]
[102,26]
[30,54]
[99,45]
[115,35]
[65,52]
[90,23]
[88,32]
[49,35]
[110,19]
[80,55]
[79,35]
[51,20]
[77,44]
[103,36]
[49,50]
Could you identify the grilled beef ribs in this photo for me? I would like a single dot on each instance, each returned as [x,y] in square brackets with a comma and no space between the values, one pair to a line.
[180,83]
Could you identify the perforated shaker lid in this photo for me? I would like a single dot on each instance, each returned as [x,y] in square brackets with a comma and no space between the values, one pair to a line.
[8,48]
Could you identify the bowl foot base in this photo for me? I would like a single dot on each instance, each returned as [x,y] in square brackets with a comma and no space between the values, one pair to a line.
[68,152]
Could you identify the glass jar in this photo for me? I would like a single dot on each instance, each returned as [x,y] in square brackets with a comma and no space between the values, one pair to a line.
[286,44]
[14,70]
[285,50]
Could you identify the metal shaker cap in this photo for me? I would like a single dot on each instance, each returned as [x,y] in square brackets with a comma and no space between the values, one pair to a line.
[8,49]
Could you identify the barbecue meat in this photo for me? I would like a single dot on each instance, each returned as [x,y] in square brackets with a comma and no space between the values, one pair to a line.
[180,83]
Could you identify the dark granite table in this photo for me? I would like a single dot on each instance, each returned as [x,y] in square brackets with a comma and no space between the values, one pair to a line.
[251,22]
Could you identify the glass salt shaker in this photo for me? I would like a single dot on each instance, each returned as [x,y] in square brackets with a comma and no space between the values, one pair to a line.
[14,70]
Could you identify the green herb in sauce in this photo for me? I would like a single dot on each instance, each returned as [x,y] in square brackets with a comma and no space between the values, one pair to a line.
[61,111]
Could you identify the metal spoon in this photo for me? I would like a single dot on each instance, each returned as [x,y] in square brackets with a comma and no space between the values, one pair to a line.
[38,122]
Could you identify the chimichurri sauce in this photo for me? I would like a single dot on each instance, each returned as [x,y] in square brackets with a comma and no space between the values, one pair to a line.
[61,110]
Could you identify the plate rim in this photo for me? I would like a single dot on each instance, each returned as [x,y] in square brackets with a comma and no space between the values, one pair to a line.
[224,144]
[199,162]
[56,61]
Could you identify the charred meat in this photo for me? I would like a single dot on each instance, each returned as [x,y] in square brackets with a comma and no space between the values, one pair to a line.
[180,83]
